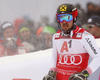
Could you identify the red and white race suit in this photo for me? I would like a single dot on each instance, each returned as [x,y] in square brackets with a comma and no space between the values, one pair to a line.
[71,53]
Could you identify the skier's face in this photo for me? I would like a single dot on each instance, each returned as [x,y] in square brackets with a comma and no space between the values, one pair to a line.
[66,25]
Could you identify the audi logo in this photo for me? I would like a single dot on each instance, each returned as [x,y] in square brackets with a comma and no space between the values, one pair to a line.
[70,59]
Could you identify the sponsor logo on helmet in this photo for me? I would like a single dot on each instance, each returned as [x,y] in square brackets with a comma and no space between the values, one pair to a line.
[63,8]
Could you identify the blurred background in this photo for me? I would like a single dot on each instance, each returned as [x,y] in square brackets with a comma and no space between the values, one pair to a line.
[35,9]
[32,23]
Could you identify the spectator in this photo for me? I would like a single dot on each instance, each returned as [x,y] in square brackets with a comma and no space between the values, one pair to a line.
[27,39]
[79,23]
[44,20]
[93,25]
[97,10]
[40,39]
[81,14]
[17,22]
[90,9]
[30,24]
[9,43]
[48,32]
[45,35]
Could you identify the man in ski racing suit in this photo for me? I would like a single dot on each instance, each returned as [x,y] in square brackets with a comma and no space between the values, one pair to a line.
[72,47]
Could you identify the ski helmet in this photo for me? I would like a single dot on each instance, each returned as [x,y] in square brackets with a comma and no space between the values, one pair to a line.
[68,9]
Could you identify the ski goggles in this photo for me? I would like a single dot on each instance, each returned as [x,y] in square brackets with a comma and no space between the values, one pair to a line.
[66,17]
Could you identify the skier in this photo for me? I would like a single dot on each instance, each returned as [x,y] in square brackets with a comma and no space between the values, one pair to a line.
[72,47]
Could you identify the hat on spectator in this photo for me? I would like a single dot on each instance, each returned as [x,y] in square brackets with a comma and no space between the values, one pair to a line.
[23,29]
[94,20]
[49,29]
[39,31]
[5,26]
[46,29]
[17,22]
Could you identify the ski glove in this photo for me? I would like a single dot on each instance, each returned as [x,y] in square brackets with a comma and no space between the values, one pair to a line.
[50,76]
[80,76]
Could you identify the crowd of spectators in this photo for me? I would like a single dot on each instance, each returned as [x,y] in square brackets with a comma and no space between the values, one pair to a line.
[23,35]
[83,15]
